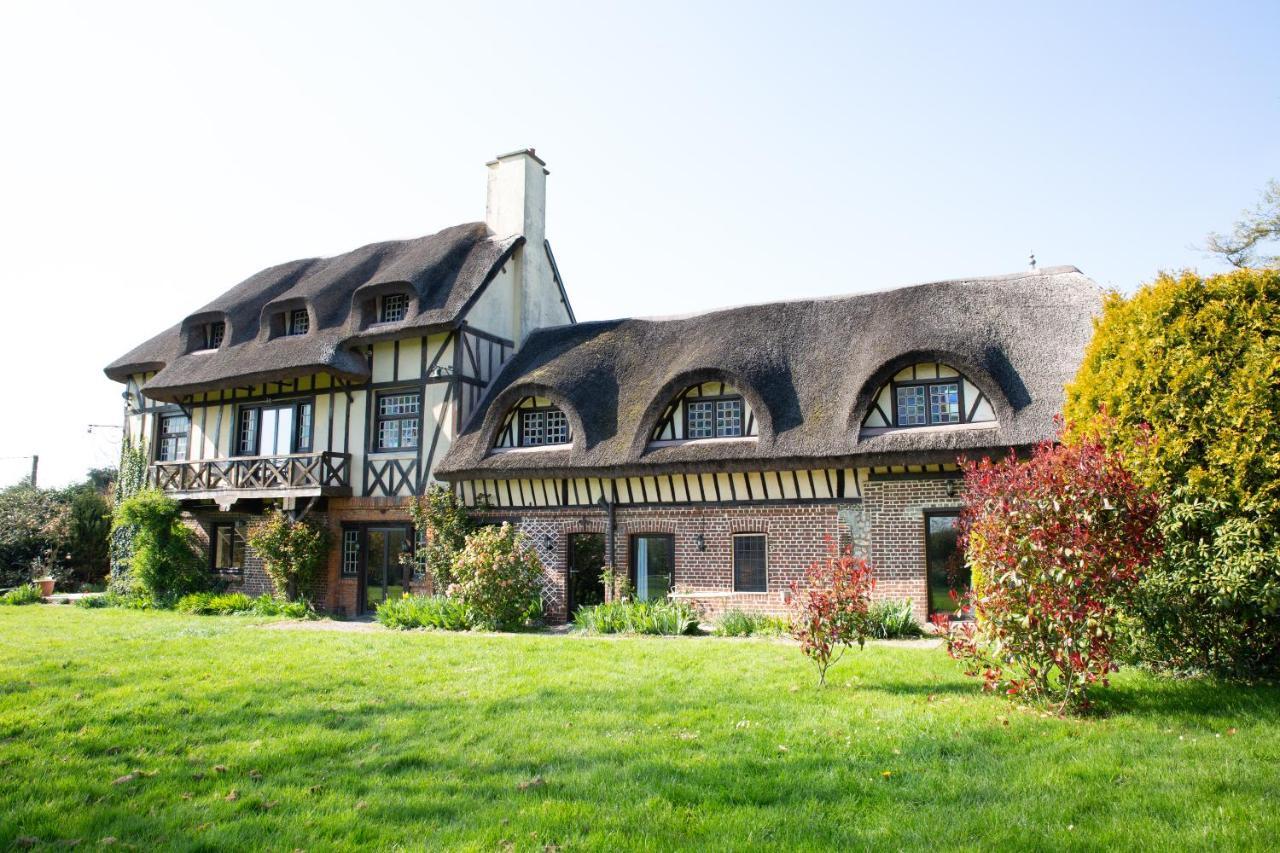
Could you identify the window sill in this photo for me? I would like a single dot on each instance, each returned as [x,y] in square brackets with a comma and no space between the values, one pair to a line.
[535,448]
[677,442]
[869,432]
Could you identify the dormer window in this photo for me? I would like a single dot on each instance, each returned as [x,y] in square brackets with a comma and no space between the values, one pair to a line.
[214,333]
[534,422]
[393,308]
[928,394]
[706,410]
[298,322]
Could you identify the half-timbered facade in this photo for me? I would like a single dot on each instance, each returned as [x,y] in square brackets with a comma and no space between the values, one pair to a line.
[333,386]
[709,457]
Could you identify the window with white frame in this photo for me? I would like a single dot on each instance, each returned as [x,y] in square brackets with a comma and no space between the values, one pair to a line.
[928,403]
[393,308]
[715,418]
[298,322]
[171,440]
[350,553]
[540,427]
[396,420]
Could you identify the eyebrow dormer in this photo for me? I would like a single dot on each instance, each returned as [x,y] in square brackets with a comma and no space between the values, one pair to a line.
[205,332]
[383,304]
[286,318]
[534,422]
[706,410]
[927,394]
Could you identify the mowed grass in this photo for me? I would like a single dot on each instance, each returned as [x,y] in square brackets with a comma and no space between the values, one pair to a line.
[227,734]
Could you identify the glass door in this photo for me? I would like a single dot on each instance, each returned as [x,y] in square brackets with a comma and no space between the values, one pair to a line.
[275,437]
[385,577]
[652,565]
[946,567]
[586,562]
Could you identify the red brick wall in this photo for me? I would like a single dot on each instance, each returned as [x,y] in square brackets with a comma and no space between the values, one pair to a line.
[252,580]
[895,513]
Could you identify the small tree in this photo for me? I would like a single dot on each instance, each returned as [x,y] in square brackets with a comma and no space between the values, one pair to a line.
[444,523]
[164,564]
[499,577]
[1058,541]
[292,552]
[1260,225]
[131,479]
[831,607]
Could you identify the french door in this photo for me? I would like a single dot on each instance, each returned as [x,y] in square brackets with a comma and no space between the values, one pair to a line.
[586,562]
[384,575]
[653,565]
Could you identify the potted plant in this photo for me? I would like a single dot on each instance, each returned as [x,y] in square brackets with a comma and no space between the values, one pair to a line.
[46,584]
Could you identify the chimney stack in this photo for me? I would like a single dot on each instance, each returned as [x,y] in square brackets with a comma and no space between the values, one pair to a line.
[517,196]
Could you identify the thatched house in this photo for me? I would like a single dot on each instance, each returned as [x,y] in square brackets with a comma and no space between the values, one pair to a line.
[707,457]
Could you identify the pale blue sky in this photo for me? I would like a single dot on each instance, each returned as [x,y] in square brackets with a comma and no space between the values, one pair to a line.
[153,155]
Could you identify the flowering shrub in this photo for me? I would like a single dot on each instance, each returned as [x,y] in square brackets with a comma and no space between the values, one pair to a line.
[292,552]
[498,576]
[1058,541]
[831,607]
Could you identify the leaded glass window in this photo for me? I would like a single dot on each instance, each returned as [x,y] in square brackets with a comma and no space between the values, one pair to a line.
[944,403]
[304,428]
[350,553]
[557,427]
[248,432]
[299,322]
[395,307]
[729,418]
[750,570]
[533,426]
[171,444]
[911,406]
[701,419]
[397,420]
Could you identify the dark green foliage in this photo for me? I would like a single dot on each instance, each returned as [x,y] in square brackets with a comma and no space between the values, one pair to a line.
[93,602]
[33,530]
[89,535]
[132,478]
[669,618]
[165,564]
[892,620]
[25,594]
[1184,379]
[425,611]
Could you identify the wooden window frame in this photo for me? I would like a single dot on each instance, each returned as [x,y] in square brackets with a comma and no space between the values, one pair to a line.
[291,325]
[215,329]
[235,526]
[750,535]
[160,435]
[375,436]
[538,410]
[943,512]
[382,307]
[295,443]
[742,403]
[958,381]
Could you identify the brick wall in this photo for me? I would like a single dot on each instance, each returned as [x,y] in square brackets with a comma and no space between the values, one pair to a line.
[251,580]
[343,592]
[894,511]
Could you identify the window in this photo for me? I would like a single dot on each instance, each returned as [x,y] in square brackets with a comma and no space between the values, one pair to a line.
[228,546]
[298,322]
[750,565]
[928,403]
[171,444]
[214,333]
[718,418]
[652,565]
[393,308]
[945,563]
[543,426]
[276,430]
[350,553]
[396,419]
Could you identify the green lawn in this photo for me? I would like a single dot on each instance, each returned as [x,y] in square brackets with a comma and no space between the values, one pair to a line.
[340,740]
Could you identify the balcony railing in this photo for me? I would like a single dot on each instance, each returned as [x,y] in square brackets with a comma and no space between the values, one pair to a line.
[296,473]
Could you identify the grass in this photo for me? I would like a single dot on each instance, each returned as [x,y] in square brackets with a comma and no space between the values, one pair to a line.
[139,726]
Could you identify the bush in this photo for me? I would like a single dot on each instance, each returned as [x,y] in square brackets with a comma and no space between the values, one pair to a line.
[229,603]
[499,578]
[665,618]
[425,611]
[736,623]
[33,527]
[1183,378]
[1059,540]
[165,565]
[28,594]
[445,524]
[292,552]
[892,620]
[830,607]
[93,602]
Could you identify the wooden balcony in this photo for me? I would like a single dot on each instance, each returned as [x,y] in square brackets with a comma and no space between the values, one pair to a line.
[297,475]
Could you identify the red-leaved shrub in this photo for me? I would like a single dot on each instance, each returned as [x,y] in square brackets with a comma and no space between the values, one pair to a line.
[1055,543]
[831,607]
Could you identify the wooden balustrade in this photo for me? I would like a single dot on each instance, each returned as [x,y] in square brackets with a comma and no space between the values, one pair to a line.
[292,473]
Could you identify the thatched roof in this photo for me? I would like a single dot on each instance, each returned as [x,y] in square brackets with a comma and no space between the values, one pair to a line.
[808,368]
[445,272]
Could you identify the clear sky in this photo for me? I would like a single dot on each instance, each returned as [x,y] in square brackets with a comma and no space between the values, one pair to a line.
[154,155]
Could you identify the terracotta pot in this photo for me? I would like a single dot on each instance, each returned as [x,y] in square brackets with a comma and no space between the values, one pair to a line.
[46,587]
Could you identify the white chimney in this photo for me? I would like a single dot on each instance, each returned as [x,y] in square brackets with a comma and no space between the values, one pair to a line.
[517,196]
[516,206]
